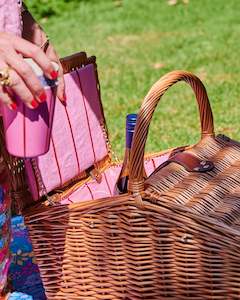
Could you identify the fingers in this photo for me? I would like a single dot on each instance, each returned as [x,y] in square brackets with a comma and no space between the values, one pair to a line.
[51,53]
[24,82]
[27,75]
[61,89]
[16,87]
[19,88]
[6,99]
[30,50]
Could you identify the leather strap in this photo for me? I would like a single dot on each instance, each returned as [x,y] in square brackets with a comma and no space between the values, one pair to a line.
[189,161]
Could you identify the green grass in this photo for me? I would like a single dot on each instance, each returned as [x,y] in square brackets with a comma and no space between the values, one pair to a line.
[139,41]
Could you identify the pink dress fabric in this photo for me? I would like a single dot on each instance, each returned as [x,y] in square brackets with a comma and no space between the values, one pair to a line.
[10,16]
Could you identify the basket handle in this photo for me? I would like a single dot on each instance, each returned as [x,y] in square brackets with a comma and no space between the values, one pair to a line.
[136,181]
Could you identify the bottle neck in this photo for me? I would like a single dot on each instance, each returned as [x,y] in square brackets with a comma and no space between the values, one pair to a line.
[129,138]
[130,126]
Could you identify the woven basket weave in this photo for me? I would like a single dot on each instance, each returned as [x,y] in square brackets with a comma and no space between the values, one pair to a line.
[174,236]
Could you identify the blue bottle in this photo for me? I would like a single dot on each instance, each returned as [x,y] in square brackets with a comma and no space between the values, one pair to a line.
[122,182]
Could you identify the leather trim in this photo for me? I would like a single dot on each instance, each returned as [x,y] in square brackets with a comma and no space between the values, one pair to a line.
[189,161]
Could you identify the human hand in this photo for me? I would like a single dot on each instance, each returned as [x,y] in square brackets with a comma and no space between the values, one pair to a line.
[16,76]
[52,55]
[34,33]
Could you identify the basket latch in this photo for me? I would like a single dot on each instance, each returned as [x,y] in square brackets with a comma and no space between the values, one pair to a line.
[95,174]
[191,162]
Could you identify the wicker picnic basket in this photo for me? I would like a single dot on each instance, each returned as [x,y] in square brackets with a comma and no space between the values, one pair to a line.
[175,235]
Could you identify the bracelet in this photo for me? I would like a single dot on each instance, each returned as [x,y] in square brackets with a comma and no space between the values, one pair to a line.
[45,45]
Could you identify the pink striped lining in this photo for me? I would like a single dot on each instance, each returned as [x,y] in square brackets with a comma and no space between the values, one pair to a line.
[93,190]
[77,140]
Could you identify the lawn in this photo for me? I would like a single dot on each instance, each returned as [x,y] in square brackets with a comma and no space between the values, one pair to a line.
[137,41]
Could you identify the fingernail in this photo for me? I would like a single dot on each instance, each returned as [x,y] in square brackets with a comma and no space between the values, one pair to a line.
[13,106]
[64,97]
[54,75]
[34,103]
[42,97]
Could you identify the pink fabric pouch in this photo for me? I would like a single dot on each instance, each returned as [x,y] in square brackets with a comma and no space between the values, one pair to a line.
[78,140]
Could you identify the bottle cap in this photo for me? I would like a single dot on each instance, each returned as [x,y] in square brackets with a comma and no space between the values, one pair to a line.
[131,122]
[130,126]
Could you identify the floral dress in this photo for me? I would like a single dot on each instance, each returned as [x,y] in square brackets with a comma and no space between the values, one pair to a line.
[10,21]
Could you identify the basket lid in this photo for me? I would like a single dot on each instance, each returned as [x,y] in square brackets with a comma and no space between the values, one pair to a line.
[79,139]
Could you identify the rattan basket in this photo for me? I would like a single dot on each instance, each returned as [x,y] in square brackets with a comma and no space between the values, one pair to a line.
[174,236]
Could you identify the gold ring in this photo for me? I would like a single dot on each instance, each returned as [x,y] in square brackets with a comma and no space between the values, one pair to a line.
[5,77]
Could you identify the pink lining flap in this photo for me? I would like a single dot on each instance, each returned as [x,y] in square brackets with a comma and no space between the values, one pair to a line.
[77,140]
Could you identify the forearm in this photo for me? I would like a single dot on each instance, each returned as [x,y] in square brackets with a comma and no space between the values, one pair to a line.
[32,31]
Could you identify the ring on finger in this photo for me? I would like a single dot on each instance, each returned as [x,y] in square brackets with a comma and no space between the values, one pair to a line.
[5,79]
